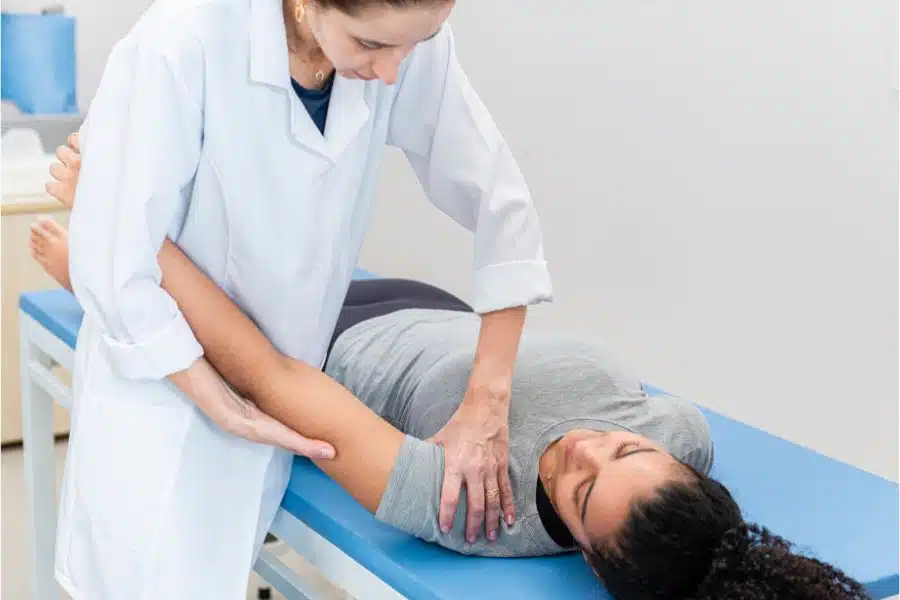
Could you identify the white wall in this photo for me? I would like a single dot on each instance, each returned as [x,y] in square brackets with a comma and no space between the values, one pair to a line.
[717,182]
[718,185]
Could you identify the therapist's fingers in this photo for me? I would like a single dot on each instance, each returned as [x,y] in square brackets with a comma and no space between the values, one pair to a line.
[74,141]
[492,506]
[450,491]
[475,512]
[54,189]
[62,173]
[65,172]
[68,157]
[507,500]
[64,192]
[273,432]
[36,243]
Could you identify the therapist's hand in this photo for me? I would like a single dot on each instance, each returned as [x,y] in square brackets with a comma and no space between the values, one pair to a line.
[244,419]
[65,171]
[239,416]
[476,453]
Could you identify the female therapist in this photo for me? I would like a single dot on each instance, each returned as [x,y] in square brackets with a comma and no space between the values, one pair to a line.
[250,132]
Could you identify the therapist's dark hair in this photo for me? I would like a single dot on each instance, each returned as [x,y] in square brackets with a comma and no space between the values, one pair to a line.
[689,541]
[354,7]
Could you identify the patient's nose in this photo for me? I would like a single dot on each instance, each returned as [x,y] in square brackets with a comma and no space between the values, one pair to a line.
[585,453]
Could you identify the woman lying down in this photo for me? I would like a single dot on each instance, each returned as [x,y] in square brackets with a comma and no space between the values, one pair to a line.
[597,465]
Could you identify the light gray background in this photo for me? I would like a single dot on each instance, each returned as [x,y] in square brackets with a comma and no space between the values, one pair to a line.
[718,185]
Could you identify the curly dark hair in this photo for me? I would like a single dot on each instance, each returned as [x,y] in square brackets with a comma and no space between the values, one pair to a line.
[689,541]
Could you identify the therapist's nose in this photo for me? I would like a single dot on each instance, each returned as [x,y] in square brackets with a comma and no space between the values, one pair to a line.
[386,70]
[387,65]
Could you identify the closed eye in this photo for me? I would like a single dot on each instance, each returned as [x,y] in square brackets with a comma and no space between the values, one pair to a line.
[621,450]
[369,45]
[627,449]
[587,495]
[375,45]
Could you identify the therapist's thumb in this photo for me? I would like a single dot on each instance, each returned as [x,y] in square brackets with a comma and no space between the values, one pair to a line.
[313,449]
[278,434]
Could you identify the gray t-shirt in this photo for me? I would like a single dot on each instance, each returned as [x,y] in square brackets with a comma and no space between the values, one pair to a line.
[412,367]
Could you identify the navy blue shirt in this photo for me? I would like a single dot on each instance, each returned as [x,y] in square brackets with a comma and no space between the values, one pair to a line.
[316,101]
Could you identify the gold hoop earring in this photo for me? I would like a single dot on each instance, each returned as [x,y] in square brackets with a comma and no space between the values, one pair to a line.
[299,11]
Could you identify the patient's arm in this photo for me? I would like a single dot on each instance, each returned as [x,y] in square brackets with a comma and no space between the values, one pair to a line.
[298,395]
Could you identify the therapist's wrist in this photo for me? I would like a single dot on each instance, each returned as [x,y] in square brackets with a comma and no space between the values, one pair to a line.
[495,389]
[490,383]
[495,355]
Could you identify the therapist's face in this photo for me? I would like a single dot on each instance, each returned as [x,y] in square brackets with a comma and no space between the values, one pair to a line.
[372,43]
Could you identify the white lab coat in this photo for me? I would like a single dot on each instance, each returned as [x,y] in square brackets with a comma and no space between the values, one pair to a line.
[195,133]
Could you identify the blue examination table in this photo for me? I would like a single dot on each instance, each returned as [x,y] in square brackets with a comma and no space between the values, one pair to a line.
[829,509]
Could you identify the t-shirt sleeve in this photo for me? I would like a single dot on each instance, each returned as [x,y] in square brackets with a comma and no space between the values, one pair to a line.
[411,501]
[701,454]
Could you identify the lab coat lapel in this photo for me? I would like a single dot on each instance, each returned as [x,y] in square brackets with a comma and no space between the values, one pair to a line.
[303,130]
[348,111]
[269,64]
[268,45]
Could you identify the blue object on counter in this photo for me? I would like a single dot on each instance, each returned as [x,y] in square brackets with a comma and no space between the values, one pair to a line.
[37,62]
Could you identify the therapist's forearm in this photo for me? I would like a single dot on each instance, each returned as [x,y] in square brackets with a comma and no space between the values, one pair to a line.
[204,386]
[495,355]
[294,393]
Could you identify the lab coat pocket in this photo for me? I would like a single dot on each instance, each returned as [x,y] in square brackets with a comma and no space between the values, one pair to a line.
[129,457]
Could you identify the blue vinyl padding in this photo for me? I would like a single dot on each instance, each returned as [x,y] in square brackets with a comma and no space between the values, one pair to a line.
[834,511]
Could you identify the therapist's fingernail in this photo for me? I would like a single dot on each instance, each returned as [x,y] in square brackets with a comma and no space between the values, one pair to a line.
[510,521]
[326,453]
[492,536]
[445,529]
[471,539]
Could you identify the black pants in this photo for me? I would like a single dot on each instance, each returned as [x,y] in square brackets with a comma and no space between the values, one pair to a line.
[370,298]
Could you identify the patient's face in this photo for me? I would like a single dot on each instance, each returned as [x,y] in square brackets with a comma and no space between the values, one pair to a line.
[594,477]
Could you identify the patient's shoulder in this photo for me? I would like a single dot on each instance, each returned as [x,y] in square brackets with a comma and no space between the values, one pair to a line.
[690,434]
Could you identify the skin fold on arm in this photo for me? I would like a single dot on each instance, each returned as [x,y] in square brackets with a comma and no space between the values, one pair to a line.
[300,396]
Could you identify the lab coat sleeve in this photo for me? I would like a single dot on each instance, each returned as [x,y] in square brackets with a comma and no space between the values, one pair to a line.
[470,174]
[140,148]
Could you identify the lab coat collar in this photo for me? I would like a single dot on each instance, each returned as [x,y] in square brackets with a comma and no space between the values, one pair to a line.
[348,112]
[348,109]
[268,44]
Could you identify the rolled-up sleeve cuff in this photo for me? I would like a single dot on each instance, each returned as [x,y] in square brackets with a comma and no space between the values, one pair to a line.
[173,349]
[505,285]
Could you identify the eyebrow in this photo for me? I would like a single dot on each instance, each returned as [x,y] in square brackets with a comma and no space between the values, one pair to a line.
[385,45]
[587,494]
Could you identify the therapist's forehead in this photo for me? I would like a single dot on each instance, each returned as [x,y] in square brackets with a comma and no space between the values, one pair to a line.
[397,26]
